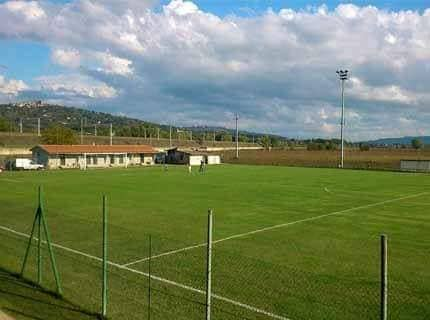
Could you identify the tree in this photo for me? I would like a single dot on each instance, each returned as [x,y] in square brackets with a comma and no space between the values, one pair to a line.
[59,135]
[364,147]
[4,125]
[265,142]
[417,144]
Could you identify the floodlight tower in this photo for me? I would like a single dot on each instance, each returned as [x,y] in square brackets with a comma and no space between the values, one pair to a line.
[237,136]
[343,75]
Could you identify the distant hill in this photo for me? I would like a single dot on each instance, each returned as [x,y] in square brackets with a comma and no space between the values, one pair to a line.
[399,141]
[28,114]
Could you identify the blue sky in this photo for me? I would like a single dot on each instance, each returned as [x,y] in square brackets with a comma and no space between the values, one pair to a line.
[198,63]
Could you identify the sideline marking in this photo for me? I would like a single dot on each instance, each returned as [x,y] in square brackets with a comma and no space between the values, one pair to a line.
[10,180]
[173,283]
[241,235]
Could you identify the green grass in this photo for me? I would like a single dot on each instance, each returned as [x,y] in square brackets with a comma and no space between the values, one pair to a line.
[326,268]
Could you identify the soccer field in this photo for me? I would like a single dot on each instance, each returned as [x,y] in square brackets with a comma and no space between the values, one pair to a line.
[289,243]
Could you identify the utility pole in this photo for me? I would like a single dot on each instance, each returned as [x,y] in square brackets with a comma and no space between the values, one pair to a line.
[38,127]
[170,136]
[343,75]
[82,130]
[111,134]
[95,130]
[158,133]
[237,137]
[20,125]
[191,135]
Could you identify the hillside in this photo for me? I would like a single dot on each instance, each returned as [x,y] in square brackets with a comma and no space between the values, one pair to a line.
[98,123]
[399,141]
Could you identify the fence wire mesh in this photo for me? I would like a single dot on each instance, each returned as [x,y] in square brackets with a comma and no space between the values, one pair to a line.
[293,280]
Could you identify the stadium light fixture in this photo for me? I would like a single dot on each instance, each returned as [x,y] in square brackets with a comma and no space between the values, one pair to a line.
[343,75]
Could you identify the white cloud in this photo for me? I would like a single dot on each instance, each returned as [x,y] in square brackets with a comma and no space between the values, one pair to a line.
[277,68]
[113,65]
[348,11]
[28,9]
[76,85]
[390,93]
[67,57]
[11,87]
[180,7]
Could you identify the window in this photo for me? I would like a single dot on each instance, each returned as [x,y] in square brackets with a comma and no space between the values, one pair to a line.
[62,160]
[121,159]
[112,159]
[95,160]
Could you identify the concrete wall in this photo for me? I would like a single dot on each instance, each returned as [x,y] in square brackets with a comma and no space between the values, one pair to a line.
[415,165]
[14,151]
[213,159]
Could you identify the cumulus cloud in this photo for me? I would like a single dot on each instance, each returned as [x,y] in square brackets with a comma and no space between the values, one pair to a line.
[67,57]
[11,87]
[76,86]
[277,69]
[29,10]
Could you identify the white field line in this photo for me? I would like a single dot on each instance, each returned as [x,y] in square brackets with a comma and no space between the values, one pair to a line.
[173,283]
[10,180]
[241,235]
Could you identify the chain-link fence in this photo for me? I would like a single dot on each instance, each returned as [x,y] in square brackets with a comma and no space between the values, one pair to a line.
[156,277]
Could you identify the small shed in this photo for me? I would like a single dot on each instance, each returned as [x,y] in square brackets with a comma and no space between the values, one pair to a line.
[191,157]
[415,165]
[213,159]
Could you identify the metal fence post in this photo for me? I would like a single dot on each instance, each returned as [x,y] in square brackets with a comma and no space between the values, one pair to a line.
[209,267]
[104,285]
[49,245]
[149,276]
[39,240]
[384,278]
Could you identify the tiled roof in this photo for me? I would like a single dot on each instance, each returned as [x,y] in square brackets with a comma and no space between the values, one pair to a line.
[79,149]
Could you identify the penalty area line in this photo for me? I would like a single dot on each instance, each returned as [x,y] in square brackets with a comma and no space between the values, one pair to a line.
[163,280]
[278,226]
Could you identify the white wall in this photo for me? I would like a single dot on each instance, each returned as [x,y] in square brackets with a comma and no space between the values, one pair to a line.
[195,160]
[415,165]
[214,159]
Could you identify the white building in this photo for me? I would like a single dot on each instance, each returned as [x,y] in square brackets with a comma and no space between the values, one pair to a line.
[93,156]
[191,157]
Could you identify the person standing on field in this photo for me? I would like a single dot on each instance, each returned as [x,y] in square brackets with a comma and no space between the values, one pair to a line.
[189,168]
[202,166]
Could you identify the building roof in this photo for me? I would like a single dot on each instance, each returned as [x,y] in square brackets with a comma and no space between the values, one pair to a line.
[79,149]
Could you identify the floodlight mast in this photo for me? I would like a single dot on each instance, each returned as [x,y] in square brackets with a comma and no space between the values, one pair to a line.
[237,136]
[343,75]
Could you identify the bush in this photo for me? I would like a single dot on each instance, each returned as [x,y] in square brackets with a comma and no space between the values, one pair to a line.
[364,147]
[59,135]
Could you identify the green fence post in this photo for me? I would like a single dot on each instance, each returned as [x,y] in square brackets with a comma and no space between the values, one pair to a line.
[51,252]
[384,278]
[39,242]
[104,284]
[149,276]
[209,266]
[27,251]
